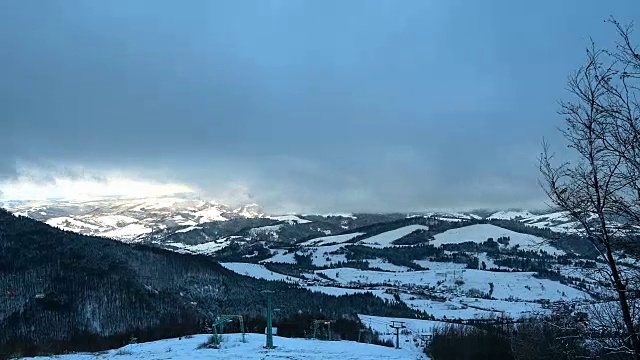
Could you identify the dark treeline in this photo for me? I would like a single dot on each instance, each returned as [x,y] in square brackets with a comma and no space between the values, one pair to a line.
[505,339]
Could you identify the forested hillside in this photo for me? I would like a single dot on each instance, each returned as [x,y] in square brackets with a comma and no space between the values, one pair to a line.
[65,291]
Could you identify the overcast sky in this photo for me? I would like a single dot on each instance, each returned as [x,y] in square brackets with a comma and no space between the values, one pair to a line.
[295,105]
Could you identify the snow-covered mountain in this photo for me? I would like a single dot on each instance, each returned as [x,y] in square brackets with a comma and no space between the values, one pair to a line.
[125,218]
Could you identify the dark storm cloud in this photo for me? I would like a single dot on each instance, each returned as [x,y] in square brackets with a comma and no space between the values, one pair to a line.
[304,105]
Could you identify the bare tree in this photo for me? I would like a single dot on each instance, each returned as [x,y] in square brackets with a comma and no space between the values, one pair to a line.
[601,190]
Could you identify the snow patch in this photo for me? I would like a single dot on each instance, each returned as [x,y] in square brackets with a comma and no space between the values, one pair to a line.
[187,229]
[291,219]
[258,271]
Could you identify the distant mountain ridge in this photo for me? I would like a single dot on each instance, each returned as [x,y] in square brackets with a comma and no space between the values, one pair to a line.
[181,220]
[124,218]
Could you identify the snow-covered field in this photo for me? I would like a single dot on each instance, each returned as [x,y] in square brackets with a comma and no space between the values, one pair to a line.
[326,240]
[481,232]
[507,285]
[258,271]
[386,238]
[385,265]
[233,348]
[292,219]
[281,256]
[189,228]
[204,248]
[324,255]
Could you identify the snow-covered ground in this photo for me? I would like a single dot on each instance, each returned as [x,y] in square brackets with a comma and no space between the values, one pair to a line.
[325,255]
[335,291]
[435,265]
[411,336]
[326,240]
[232,348]
[127,232]
[281,256]
[507,285]
[210,214]
[189,228]
[115,220]
[204,248]
[510,215]
[472,308]
[559,221]
[386,238]
[481,232]
[127,218]
[385,265]
[68,223]
[291,219]
[258,271]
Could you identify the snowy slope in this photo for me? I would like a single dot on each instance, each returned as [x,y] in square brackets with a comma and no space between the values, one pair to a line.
[281,256]
[291,219]
[385,265]
[481,232]
[416,326]
[258,271]
[326,240]
[510,215]
[559,221]
[325,255]
[507,285]
[386,238]
[232,348]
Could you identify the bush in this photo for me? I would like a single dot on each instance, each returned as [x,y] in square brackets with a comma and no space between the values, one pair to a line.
[384,342]
[542,340]
[213,342]
[555,338]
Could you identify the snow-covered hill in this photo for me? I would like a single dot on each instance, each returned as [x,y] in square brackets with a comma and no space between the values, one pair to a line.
[125,218]
[232,348]
[558,221]
[481,232]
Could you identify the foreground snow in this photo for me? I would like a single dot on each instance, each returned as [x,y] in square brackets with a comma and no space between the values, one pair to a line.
[233,348]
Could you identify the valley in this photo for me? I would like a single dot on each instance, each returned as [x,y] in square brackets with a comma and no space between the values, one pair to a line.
[434,268]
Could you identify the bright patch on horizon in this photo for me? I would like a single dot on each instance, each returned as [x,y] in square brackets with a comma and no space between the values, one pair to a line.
[27,187]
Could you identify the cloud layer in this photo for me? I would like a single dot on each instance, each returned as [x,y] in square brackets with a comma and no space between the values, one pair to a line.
[298,105]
